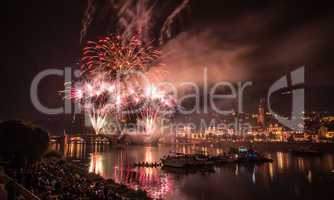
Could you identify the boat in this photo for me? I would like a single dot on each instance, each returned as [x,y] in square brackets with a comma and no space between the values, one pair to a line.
[242,149]
[147,164]
[177,161]
[251,156]
[240,155]
[243,155]
[183,160]
[305,152]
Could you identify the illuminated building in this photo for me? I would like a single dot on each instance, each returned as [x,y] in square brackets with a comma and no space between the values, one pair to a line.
[328,118]
[300,137]
[277,133]
[261,115]
[325,132]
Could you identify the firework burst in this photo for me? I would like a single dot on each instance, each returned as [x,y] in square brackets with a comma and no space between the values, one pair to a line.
[104,105]
[117,57]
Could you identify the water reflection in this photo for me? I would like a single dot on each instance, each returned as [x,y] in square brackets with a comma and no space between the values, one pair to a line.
[271,171]
[76,150]
[300,178]
[309,176]
[236,170]
[55,146]
[96,164]
[300,162]
[253,175]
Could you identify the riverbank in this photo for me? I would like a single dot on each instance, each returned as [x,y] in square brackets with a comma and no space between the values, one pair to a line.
[270,146]
[117,164]
[55,178]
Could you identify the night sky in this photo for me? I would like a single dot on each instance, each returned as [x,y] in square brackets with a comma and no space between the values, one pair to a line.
[238,39]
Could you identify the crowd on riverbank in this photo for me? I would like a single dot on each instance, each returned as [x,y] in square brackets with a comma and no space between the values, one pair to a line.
[55,178]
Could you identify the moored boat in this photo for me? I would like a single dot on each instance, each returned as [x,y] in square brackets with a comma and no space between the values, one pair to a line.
[173,161]
[244,155]
[182,160]
[241,155]
[251,156]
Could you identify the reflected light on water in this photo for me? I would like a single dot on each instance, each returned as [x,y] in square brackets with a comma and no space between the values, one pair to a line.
[309,176]
[236,172]
[280,160]
[253,175]
[148,158]
[271,171]
[117,165]
[204,150]
[184,150]
[160,184]
[148,154]
[55,146]
[330,160]
[75,150]
[300,163]
[96,165]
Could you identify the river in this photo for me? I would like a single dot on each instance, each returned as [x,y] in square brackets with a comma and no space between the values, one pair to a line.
[288,177]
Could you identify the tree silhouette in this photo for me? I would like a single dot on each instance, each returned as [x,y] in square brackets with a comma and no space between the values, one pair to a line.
[21,144]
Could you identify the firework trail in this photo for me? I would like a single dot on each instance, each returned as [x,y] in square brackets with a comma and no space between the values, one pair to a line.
[166,28]
[87,19]
[134,17]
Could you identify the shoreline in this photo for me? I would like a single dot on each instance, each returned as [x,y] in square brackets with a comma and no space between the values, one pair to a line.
[72,178]
[121,190]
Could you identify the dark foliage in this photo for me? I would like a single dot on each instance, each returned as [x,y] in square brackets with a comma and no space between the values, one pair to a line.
[21,144]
